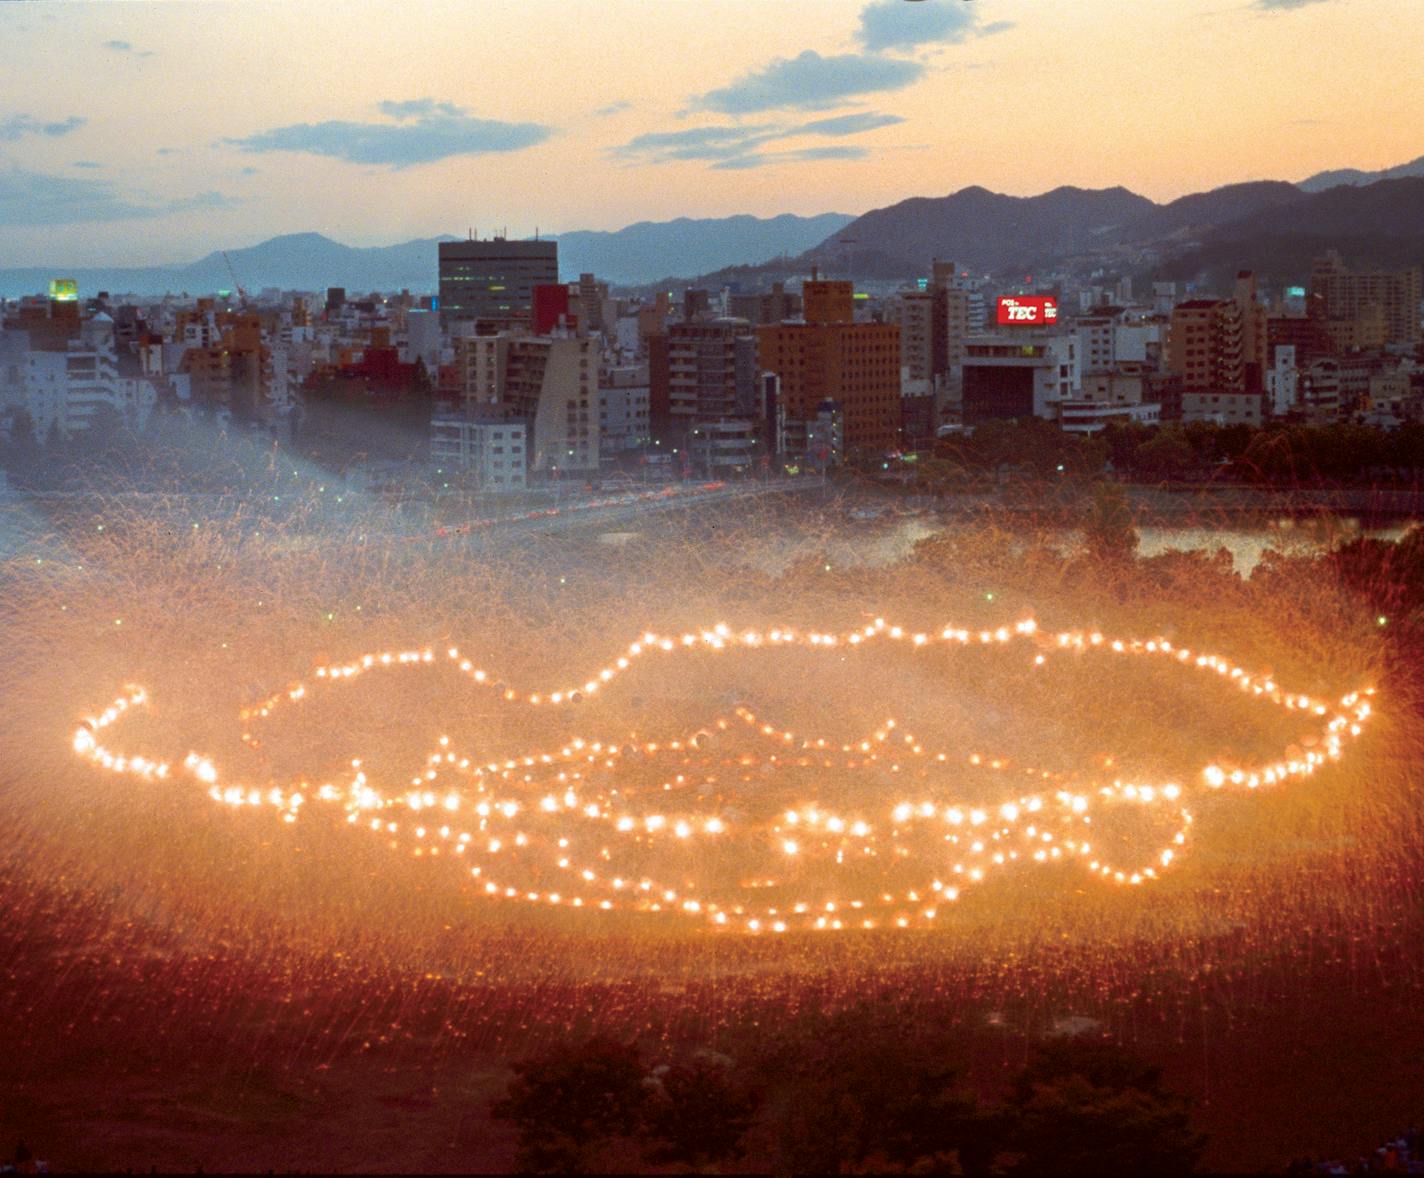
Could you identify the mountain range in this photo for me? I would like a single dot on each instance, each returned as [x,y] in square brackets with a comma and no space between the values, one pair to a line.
[640,252]
[1271,226]
[1353,176]
[310,261]
[994,234]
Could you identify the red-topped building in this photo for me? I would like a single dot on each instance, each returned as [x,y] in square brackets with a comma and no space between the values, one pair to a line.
[830,357]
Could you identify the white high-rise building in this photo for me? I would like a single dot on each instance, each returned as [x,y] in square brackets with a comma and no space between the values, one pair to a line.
[70,390]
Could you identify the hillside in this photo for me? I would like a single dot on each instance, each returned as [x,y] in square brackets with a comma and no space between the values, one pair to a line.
[992,233]
[983,230]
[1353,176]
[311,261]
[642,252]
[1379,225]
[1270,226]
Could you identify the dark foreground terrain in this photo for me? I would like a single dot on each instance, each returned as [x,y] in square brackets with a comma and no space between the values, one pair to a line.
[133,1053]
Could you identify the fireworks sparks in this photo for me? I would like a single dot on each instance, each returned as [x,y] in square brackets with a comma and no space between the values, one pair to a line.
[678,827]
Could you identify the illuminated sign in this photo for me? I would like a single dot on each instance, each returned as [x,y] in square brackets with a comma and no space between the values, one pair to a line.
[1027,310]
[1295,292]
[64,290]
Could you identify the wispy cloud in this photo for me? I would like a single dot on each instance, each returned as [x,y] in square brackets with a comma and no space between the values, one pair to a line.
[1283,5]
[128,48]
[696,143]
[900,27]
[765,159]
[613,108]
[18,126]
[87,164]
[422,132]
[854,124]
[810,82]
[735,145]
[33,198]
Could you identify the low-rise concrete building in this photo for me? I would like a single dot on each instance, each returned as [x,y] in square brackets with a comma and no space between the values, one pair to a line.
[490,453]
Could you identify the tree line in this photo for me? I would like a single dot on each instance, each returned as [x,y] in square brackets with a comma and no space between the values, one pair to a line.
[1279,454]
[855,1091]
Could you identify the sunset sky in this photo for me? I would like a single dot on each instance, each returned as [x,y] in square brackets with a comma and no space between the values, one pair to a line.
[137,133]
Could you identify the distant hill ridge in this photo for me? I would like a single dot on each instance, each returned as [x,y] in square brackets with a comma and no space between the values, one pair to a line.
[1356,178]
[1272,226]
[991,233]
[312,261]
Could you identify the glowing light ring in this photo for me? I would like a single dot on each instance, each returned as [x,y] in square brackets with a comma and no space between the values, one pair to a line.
[491,814]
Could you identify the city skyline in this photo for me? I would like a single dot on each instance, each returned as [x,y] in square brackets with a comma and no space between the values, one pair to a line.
[373,127]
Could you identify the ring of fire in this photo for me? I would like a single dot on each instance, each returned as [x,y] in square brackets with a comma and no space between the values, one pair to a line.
[575,826]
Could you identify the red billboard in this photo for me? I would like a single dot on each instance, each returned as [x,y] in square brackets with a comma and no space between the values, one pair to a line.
[1027,310]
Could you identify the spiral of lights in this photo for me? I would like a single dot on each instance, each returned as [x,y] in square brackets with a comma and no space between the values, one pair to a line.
[575,827]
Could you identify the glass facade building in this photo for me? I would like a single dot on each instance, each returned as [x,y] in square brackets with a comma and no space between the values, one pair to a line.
[494,279]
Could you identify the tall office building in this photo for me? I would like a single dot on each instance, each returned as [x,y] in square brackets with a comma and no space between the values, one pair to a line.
[1254,332]
[1358,310]
[700,372]
[830,357]
[494,280]
[1204,345]
[914,311]
[935,319]
[590,299]
[1221,345]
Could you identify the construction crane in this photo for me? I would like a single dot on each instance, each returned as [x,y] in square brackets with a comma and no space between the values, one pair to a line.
[241,293]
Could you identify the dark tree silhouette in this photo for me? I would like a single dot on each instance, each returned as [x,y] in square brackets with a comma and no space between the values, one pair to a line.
[1090,1107]
[570,1101]
[1167,454]
[865,1089]
[699,1112]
